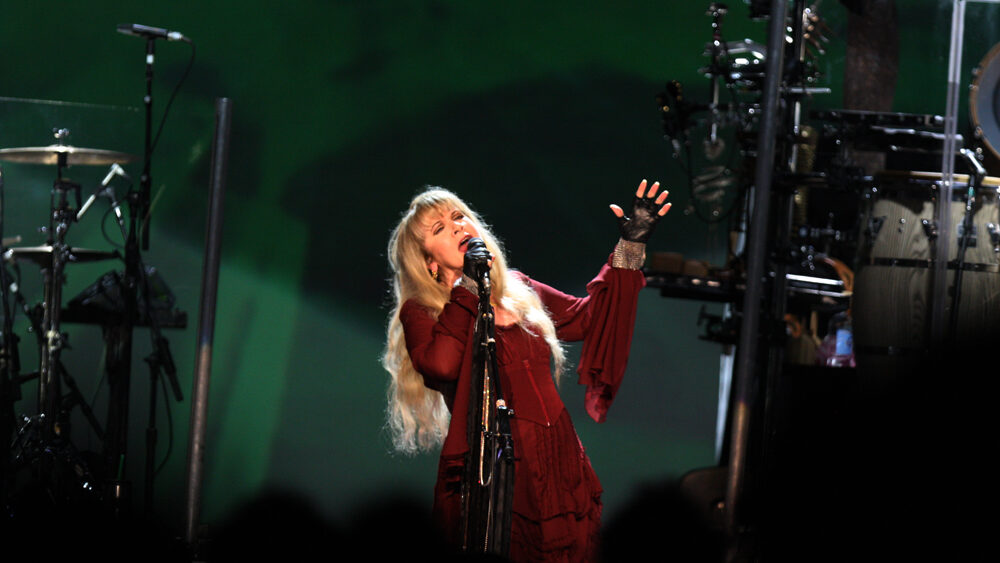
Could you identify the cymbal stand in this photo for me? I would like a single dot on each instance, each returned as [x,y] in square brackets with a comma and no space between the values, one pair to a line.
[10,364]
[53,279]
[44,439]
[35,316]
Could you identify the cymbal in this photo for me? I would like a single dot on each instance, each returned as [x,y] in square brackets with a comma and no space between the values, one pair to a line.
[74,155]
[43,254]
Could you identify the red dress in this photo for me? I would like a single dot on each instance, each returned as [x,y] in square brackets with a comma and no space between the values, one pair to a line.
[557,497]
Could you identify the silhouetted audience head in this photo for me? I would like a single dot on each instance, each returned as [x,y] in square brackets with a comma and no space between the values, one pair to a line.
[661,523]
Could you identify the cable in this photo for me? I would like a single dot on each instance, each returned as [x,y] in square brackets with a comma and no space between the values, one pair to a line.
[173,95]
[104,232]
[170,429]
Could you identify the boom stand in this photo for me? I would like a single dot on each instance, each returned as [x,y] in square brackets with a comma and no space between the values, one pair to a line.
[118,339]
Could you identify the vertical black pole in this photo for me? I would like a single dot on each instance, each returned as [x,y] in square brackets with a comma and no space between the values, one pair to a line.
[206,322]
[145,182]
[756,271]
[151,434]
[9,366]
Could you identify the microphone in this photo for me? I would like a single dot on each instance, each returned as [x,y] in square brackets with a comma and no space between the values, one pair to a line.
[139,30]
[978,170]
[476,248]
[106,189]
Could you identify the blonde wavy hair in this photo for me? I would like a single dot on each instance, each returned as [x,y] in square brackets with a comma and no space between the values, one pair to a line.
[417,416]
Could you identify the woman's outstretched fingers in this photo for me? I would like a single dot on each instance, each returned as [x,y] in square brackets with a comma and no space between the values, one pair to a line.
[617,211]
[642,189]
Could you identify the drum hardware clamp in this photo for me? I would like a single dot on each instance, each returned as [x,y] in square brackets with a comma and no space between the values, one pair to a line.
[874,226]
[994,231]
[970,236]
[930,228]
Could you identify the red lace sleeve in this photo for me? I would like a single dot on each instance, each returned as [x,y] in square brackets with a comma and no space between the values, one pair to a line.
[605,321]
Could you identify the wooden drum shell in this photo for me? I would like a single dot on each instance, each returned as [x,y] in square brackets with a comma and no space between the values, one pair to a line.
[893,286]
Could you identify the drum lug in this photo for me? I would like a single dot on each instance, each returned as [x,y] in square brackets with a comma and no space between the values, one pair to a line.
[930,228]
[994,230]
[874,226]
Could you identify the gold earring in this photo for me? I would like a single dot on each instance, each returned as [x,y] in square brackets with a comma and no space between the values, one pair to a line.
[434,274]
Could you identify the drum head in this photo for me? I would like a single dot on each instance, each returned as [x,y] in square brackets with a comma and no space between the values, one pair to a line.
[984,101]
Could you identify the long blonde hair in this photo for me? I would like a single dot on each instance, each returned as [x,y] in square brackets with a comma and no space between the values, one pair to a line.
[417,416]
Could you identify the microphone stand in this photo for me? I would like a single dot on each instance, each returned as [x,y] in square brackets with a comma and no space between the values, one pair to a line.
[119,367]
[119,338]
[489,484]
[159,361]
[967,235]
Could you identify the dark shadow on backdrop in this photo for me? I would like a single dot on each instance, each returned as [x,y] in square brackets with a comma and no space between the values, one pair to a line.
[527,156]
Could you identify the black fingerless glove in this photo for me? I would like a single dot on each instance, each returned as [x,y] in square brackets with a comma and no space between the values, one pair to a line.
[477,259]
[639,227]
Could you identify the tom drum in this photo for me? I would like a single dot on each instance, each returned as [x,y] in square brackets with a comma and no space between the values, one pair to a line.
[897,249]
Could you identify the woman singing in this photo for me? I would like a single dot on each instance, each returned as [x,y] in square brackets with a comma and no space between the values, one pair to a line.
[556,505]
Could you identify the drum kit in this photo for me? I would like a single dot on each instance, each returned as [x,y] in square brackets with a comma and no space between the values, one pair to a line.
[856,239]
[42,451]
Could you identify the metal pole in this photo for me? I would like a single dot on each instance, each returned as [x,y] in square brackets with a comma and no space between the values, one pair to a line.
[943,212]
[756,271]
[206,324]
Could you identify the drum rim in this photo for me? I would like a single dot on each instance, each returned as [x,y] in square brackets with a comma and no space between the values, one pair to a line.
[987,75]
[961,180]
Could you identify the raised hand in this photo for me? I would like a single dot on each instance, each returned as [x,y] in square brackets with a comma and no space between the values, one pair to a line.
[647,208]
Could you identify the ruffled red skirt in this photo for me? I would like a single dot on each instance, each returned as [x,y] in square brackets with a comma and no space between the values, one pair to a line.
[557,496]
